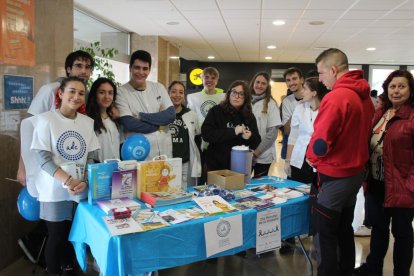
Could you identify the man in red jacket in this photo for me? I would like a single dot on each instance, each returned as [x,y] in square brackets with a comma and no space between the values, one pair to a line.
[338,150]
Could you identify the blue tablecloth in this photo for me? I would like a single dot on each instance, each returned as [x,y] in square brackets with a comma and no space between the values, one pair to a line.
[175,245]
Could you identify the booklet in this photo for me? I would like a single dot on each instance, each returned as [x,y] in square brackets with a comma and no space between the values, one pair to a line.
[174,216]
[123,183]
[121,226]
[252,202]
[157,199]
[194,212]
[214,204]
[263,188]
[149,219]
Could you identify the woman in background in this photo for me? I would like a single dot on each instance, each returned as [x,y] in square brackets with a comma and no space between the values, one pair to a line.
[390,187]
[62,139]
[99,107]
[228,124]
[304,115]
[267,115]
[183,130]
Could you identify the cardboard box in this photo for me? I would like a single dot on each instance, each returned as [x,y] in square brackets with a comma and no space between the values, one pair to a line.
[227,179]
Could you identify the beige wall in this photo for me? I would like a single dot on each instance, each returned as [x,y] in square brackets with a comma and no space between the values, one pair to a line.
[53,40]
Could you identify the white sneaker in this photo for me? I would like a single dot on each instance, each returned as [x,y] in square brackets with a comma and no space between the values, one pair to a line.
[362,231]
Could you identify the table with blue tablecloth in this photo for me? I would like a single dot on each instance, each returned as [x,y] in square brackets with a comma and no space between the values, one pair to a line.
[174,245]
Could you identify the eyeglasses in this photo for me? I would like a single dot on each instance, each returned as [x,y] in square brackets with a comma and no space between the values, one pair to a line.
[236,94]
[81,66]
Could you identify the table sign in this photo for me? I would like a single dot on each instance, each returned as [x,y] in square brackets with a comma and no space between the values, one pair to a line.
[223,234]
[268,230]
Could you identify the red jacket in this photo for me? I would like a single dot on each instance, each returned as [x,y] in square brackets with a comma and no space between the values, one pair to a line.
[339,144]
[398,154]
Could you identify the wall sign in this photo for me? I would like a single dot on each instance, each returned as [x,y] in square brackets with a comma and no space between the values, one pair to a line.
[18,92]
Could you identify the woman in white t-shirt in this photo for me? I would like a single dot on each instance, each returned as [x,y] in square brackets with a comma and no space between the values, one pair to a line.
[100,107]
[301,131]
[267,115]
[63,142]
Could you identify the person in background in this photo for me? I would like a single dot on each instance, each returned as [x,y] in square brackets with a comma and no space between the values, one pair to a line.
[338,151]
[374,97]
[390,187]
[303,117]
[294,81]
[145,106]
[61,136]
[267,112]
[99,107]
[183,131]
[229,124]
[200,103]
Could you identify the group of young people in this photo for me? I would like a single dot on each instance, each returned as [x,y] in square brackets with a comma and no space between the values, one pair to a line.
[325,143]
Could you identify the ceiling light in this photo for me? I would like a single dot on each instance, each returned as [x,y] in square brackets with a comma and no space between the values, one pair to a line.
[172,23]
[279,22]
[211,57]
[320,47]
[174,57]
[268,58]
[316,23]
[271,47]
[371,49]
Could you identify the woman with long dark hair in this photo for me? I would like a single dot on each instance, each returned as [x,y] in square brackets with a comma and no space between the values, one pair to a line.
[229,124]
[99,107]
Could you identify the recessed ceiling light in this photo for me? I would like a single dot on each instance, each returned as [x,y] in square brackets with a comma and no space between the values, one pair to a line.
[268,57]
[371,49]
[271,47]
[174,57]
[316,23]
[211,57]
[279,22]
[172,23]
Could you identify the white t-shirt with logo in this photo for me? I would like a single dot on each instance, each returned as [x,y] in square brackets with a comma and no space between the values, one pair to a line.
[69,140]
[201,103]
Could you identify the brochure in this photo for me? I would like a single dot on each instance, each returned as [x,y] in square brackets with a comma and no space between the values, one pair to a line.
[252,202]
[149,219]
[121,226]
[214,204]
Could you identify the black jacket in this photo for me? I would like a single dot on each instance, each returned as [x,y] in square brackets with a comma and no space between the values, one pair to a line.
[218,131]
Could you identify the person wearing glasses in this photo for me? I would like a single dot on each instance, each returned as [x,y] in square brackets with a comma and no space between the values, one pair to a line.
[228,124]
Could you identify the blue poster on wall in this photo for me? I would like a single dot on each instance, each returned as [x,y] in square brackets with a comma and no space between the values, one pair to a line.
[18,92]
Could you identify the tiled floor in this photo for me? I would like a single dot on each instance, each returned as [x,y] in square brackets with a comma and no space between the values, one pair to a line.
[293,264]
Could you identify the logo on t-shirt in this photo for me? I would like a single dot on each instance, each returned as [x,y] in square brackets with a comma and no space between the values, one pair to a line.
[174,130]
[205,107]
[71,145]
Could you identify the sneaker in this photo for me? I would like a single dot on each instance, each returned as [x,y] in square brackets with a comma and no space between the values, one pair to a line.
[362,231]
[363,270]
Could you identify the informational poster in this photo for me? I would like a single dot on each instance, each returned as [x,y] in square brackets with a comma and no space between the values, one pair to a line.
[17,45]
[268,230]
[223,234]
[18,92]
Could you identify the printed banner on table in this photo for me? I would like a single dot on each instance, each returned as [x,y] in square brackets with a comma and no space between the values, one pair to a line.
[18,92]
[223,234]
[17,42]
[268,230]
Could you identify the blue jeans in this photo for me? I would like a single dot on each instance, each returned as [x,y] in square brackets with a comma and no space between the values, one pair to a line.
[284,146]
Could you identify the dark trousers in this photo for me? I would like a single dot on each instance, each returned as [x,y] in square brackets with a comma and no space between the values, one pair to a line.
[332,216]
[59,251]
[203,178]
[401,228]
[261,170]
[304,174]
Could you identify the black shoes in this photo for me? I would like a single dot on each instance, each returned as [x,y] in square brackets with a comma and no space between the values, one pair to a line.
[363,270]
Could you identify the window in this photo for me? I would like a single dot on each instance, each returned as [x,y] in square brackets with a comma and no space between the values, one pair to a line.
[378,74]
